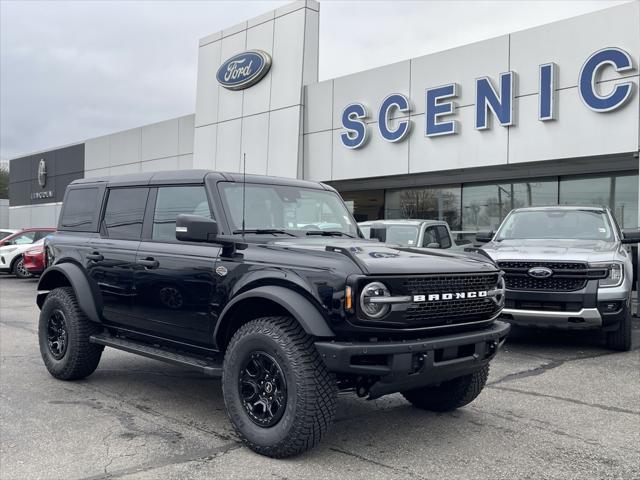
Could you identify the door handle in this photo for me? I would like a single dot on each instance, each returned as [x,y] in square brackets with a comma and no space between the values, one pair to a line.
[95,256]
[148,262]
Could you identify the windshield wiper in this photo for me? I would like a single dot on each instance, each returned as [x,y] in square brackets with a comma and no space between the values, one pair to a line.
[263,231]
[329,233]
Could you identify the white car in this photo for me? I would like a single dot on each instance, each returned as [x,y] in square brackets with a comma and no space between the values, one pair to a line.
[13,246]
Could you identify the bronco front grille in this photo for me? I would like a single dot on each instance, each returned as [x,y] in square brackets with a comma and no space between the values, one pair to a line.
[447,312]
[566,277]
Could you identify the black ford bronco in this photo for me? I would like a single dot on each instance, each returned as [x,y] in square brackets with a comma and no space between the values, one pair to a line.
[267,283]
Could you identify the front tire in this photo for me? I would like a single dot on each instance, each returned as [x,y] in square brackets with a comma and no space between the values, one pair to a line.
[19,270]
[63,334]
[620,339]
[451,394]
[279,395]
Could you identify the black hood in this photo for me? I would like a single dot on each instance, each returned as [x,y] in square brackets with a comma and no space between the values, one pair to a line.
[386,259]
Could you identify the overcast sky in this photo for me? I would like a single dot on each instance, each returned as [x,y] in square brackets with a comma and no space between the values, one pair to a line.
[71,70]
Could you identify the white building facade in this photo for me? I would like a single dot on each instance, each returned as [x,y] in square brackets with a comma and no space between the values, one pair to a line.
[549,115]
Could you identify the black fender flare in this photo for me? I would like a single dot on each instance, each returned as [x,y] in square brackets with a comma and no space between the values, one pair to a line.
[88,297]
[301,308]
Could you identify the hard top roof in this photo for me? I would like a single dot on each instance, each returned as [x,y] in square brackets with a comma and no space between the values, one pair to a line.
[196,176]
[401,221]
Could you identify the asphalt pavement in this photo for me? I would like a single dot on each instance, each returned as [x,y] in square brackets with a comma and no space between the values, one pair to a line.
[558,405]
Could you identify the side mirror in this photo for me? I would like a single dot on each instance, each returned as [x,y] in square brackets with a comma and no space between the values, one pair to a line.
[378,232]
[484,237]
[196,228]
[433,245]
[630,236]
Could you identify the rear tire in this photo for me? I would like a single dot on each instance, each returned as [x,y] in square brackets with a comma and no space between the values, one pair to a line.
[279,395]
[19,269]
[451,394]
[63,334]
[620,339]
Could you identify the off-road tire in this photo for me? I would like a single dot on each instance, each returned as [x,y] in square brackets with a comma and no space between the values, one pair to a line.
[19,270]
[620,339]
[451,394]
[81,357]
[311,390]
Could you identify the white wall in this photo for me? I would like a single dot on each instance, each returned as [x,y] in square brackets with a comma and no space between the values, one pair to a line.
[265,120]
[41,215]
[4,213]
[578,131]
[164,145]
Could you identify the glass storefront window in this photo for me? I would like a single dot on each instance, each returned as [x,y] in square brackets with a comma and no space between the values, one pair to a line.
[430,203]
[625,201]
[595,191]
[485,206]
[365,205]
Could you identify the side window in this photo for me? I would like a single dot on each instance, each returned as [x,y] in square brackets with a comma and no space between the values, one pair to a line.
[40,235]
[171,202]
[24,239]
[444,239]
[124,213]
[430,238]
[437,236]
[80,209]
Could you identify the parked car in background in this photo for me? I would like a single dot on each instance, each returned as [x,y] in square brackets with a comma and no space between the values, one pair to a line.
[33,259]
[565,267]
[13,247]
[410,233]
[5,232]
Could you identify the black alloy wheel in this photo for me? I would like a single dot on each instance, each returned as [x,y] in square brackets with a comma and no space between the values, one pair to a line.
[263,389]
[57,335]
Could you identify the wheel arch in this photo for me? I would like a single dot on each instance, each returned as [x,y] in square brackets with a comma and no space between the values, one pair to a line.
[269,300]
[69,274]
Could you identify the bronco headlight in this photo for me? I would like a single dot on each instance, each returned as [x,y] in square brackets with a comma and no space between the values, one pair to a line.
[615,276]
[374,300]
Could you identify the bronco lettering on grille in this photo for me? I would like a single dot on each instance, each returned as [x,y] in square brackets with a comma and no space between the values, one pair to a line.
[436,297]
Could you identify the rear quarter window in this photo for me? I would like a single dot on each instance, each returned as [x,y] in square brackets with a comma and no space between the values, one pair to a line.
[80,210]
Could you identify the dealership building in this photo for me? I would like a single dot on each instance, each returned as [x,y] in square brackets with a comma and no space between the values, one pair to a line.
[548,115]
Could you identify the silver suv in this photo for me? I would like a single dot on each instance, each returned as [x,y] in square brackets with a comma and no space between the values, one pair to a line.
[565,267]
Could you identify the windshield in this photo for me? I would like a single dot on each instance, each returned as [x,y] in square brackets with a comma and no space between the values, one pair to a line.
[558,224]
[293,209]
[402,234]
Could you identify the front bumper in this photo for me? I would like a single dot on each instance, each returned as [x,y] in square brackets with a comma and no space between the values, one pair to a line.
[584,309]
[583,319]
[404,365]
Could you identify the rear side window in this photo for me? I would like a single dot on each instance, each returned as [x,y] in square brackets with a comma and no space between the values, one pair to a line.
[171,202]
[80,210]
[124,213]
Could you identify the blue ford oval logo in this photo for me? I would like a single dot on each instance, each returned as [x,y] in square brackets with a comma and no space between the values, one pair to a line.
[243,70]
[540,272]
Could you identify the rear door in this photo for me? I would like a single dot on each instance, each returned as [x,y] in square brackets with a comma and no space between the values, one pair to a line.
[175,281]
[111,257]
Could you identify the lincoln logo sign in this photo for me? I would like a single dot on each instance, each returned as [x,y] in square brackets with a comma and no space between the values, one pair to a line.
[491,99]
[244,70]
[42,173]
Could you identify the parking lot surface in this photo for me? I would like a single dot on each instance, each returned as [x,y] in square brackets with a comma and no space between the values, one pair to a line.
[558,405]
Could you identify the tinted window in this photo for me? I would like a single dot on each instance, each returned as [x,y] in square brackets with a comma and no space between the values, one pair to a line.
[125,212]
[80,209]
[171,202]
[436,237]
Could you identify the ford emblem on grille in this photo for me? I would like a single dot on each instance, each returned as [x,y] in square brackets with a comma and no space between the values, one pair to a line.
[540,272]
[243,70]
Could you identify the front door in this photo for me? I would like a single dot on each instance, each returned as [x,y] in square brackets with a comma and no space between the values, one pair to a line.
[175,281]
[110,260]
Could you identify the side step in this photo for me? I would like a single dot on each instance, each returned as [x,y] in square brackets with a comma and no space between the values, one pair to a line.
[208,366]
